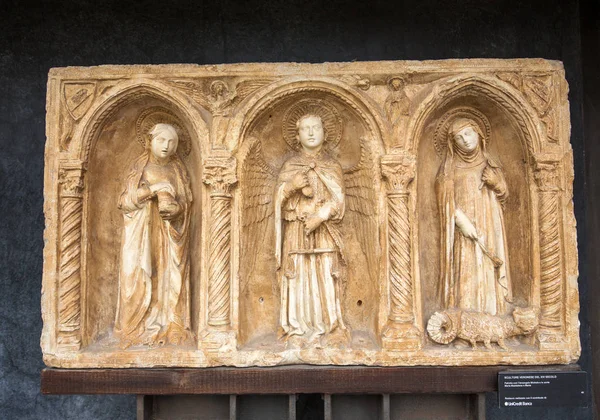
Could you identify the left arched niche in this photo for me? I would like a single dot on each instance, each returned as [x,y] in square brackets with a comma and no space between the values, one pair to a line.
[112,152]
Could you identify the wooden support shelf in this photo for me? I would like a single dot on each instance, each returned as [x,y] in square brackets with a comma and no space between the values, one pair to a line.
[282,380]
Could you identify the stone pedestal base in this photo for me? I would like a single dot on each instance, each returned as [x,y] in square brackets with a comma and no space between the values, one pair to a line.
[401,336]
[216,340]
[549,340]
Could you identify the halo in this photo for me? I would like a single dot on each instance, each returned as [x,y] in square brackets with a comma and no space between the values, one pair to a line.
[159,115]
[440,138]
[332,121]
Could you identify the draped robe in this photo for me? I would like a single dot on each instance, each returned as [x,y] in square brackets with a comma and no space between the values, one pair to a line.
[310,268]
[469,279]
[153,301]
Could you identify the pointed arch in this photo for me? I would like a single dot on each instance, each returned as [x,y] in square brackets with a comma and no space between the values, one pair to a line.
[502,94]
[125,92]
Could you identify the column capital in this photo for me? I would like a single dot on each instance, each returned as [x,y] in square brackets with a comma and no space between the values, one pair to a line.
[70,178]
[220,173]
[398,170]
[546,176]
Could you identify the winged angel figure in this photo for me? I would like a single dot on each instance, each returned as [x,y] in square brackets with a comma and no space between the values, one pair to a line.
[312,203]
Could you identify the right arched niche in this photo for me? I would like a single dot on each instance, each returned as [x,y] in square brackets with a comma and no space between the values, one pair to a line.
[507,146]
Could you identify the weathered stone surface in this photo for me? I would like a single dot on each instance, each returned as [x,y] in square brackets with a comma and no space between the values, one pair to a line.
[373,213]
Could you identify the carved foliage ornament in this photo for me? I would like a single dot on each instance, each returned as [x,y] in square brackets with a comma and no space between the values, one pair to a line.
[219,174]
[398,170]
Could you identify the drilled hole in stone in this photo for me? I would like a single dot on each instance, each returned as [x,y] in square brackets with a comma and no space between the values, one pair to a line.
[261,299]
[359,303]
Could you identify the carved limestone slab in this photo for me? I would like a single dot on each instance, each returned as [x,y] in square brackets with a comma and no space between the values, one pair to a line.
[374,213]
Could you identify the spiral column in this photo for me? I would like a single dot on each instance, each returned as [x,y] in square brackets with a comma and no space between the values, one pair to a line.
[550,333]
[400,332]
[219,175]
[69,276]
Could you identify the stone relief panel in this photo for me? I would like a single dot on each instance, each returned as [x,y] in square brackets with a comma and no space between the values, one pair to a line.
[376,213]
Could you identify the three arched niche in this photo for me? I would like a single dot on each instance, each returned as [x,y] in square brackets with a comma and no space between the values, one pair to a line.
[259,288]
[507,145]
[113,149]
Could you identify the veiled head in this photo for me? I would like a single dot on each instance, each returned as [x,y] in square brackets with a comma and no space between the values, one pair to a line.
[465,134]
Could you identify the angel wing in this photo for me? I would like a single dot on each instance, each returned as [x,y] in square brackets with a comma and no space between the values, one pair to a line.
[361,201]
[247,87]
[257,205]
[194,89]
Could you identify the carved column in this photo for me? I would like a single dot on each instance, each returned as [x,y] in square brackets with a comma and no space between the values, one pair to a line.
[400,333]
[551,260]
[69,275]
[219,175]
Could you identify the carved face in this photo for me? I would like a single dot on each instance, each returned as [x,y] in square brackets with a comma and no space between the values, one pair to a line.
[164,144]
[396,83]
[311,133]
[466,139]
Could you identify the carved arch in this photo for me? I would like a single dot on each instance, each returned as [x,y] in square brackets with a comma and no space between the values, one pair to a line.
[86,139]
[263,98]
[499,92]
[123,93]
[254,107]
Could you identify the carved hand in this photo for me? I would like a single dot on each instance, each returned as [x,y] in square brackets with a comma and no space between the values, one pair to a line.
[143,193]
[490,177]
[464,225]
[300,180]
[169,212]
[162,186]
[311,223]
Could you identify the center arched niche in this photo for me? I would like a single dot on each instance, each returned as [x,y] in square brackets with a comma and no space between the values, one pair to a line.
[259,289]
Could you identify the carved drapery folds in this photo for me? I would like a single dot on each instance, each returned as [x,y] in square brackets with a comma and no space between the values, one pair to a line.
[400,333]
[69,281]
[551,253]
[219,175]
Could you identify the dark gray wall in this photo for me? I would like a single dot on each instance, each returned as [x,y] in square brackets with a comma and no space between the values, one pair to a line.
[590,45]
[40,35]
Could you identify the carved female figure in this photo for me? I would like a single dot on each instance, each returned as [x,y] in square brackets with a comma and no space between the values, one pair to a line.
[471,190]
[309,203]
[153,301]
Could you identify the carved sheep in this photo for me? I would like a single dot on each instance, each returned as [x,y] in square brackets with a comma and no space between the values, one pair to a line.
[443,327]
